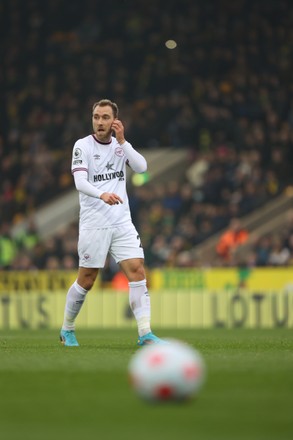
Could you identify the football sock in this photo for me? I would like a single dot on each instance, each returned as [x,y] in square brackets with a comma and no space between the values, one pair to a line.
[74,301]
[140,305]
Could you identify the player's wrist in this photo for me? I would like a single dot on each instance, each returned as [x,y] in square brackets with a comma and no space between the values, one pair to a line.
[100,193]
[121,141]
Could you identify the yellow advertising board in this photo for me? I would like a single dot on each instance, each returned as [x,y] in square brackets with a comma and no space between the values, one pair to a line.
[158,279]
[222,278]
[177,309]
[37,280]
[180,298]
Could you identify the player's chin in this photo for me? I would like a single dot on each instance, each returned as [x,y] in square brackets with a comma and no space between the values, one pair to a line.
[103,135]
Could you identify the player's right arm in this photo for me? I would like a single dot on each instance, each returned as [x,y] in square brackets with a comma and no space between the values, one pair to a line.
[83,185]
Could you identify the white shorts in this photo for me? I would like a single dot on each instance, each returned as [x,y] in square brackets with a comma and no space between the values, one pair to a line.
[122,242]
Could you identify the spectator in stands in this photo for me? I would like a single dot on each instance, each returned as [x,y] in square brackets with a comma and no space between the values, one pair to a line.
[231,239]
[262,250]
[23,261]
[53,263]
[28,236]
[8,248]
[68,262]
[279,254]
[221,94]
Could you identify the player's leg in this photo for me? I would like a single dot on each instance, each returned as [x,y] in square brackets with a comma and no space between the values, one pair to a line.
[139,299]
[92,250]
[127,250]
[76,295]
[74,300]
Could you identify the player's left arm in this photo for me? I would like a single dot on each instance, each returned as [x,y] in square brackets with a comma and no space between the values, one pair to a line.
[135,160]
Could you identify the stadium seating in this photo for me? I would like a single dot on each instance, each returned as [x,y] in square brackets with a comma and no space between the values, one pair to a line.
[224,95]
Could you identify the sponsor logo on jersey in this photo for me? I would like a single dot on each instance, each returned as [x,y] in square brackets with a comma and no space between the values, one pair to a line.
[97,156]
[109,176]
[77,153]
[109,166]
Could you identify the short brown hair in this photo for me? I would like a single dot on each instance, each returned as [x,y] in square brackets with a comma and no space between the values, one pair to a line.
[104,102]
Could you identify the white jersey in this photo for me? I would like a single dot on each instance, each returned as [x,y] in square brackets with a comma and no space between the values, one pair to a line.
[105,164]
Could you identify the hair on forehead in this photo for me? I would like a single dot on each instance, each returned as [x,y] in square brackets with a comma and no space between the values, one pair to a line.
[107,102]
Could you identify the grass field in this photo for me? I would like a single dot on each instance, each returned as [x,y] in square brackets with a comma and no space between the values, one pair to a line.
[51,392]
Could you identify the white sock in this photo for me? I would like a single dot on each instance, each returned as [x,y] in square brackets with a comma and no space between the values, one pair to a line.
[140,304]
[74,301]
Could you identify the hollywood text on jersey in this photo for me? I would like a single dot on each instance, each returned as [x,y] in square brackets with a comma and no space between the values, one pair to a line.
[109,176]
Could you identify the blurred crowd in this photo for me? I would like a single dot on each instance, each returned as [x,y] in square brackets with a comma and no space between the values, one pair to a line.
[171,223]
[225,93]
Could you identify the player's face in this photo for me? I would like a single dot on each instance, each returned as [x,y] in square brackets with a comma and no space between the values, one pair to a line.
[102,121]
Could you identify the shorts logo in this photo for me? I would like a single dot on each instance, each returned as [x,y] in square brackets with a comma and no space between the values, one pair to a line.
[119,152]
[86,257]
[77,153]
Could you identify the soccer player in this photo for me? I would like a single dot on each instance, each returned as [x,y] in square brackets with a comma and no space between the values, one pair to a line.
[105,225]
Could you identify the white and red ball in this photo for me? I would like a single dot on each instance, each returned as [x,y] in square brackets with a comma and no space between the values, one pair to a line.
[164,372]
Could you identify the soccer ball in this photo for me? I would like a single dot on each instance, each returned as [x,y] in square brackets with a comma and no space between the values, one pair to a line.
[173,371]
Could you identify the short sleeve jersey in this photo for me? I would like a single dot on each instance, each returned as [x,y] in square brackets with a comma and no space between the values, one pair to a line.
[105,164]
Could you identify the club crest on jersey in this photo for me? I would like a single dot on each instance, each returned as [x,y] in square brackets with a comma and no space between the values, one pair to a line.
[77,153]
[119,152]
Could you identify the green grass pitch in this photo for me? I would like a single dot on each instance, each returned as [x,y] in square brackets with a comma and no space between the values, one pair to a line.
[50,392]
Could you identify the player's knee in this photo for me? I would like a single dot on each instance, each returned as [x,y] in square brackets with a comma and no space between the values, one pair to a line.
[88,285]
[87,281]
[134,270]
[138,272]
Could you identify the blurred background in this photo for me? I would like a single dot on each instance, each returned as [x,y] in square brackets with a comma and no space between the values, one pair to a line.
[205,91]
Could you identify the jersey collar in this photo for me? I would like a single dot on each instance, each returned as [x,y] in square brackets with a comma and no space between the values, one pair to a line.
[99,142]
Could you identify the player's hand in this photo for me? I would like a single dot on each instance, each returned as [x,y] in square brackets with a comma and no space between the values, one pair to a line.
[118,127]
[111,198]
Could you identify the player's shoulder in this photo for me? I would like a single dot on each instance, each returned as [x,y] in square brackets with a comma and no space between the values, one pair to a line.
[83,144]
[87,140]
